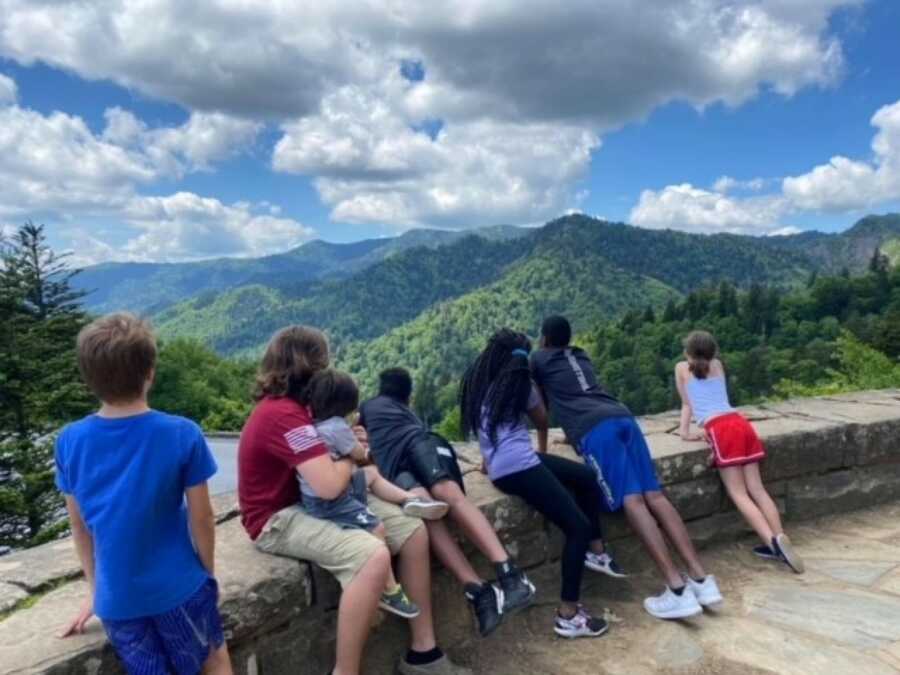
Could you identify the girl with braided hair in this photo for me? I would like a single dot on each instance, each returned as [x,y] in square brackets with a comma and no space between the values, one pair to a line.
[496,394]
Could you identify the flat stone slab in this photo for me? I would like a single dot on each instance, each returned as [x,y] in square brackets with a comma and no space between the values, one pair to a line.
[35,568]
[860,572]
[28,638]
[860,619]
[10,596]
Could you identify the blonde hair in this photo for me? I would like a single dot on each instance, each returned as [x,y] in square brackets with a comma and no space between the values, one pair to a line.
[116,357]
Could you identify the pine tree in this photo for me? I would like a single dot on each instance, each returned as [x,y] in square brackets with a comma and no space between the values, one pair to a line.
[39,384]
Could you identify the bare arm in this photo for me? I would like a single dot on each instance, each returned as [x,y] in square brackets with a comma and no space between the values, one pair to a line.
[684,428]
[84,546]
[327,477]
[538,417]
[203,525]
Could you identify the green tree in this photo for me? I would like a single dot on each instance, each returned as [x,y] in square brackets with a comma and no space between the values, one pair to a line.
[40,388]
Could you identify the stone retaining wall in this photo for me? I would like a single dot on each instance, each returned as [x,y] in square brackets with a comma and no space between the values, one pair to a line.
[826,455]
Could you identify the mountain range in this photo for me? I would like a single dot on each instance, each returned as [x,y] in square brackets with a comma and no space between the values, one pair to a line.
[428,298]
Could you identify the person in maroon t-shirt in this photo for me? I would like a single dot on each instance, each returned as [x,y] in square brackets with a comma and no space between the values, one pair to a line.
[278,441]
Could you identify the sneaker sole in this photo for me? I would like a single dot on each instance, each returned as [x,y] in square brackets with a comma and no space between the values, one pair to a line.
[675,613]
[605,570]
[789,556]
[573,636]
[527,602]
[396,612]
[426,511]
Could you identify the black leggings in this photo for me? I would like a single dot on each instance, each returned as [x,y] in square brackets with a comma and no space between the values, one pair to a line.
[567,494]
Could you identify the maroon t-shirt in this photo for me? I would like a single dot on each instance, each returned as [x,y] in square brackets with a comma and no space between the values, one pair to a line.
[277,438]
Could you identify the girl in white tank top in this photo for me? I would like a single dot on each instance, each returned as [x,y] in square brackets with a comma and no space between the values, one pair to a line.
[736,449]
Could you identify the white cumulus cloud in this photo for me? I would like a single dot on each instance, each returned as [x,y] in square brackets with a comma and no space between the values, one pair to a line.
[842,185]
[850,184]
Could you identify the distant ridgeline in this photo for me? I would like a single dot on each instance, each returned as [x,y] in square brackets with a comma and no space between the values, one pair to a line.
[428,299]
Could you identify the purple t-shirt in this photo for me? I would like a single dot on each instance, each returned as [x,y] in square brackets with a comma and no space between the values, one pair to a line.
[513,452]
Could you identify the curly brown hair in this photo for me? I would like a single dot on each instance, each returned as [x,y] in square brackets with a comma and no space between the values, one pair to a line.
[293,356]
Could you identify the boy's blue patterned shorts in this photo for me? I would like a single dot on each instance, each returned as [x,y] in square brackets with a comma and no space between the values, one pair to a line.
[178,641]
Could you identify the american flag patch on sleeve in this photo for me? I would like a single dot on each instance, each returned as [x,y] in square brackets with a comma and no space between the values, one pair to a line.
[302,438]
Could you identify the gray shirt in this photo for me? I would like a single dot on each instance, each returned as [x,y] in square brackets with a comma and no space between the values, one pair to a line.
[577,401]
[392,428]
[340,439]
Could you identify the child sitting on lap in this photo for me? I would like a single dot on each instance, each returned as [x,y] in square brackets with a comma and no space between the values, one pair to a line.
[333,396]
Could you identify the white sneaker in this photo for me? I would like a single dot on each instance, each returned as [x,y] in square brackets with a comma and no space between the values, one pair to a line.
[707,593]
[604,564]
[667,605]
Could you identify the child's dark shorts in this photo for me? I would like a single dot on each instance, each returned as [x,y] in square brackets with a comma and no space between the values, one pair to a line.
[426,463]
[178,641]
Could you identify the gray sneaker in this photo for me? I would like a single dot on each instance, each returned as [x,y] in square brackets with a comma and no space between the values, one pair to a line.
[785,551]
[397,603]
[443,666]
[427,509]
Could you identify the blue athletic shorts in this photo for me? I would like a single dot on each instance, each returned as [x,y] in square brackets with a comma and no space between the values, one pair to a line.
[178,641]
[617,452]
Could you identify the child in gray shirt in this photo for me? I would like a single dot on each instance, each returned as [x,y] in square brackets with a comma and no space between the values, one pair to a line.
[333,396]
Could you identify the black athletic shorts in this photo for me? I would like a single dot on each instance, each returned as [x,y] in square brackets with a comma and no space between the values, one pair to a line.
[427,462]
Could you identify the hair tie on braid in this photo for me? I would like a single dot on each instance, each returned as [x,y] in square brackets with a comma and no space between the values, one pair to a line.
[519,352]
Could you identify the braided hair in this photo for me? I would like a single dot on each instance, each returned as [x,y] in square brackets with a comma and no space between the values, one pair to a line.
[496,387]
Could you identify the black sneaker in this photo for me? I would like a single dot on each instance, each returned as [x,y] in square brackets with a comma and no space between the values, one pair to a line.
[487,605]
[518,591]
[765,552]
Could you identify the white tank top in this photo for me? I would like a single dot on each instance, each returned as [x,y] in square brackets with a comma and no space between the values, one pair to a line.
[708,397]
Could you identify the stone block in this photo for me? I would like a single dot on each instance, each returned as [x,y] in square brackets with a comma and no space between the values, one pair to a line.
[35,569]
[10,596]
[728,525]
[257,591]
[225,506]
[873,443]
[696,498]
[841,491]
[799,446]
[29,642]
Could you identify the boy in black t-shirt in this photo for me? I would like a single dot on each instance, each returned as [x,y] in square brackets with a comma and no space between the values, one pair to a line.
[412,457]
[606,435]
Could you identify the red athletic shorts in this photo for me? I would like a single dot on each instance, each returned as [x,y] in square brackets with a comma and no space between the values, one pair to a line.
[733,440]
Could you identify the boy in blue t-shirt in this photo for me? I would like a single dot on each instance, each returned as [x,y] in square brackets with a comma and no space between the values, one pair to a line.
[134,481]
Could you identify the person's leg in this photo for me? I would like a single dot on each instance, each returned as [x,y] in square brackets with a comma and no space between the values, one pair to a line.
[391,584]
[473,523]
[357,607]
[446,548]
[219,662]
[357,559]
[733,478]
[383,488]
[541,489]
[760,496]
[672,524]
[647,530]
[414,565]
[581,483]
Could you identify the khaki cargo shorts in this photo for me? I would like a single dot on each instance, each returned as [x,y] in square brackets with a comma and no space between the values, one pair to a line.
[295,534]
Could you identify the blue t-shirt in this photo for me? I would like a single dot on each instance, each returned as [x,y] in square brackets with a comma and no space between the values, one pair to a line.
[129,476]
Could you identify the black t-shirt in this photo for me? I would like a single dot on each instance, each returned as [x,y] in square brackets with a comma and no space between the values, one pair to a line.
[392,429]
[577,402]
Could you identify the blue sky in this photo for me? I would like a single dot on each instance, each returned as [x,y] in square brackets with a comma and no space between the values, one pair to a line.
[190,140]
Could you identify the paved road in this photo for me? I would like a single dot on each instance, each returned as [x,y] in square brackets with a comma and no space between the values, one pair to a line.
[840,618]
[225,450]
